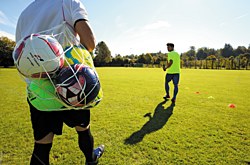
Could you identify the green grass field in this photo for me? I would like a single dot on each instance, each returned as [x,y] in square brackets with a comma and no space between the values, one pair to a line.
[137,126]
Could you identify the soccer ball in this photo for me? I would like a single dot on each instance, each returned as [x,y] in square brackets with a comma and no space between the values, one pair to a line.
[37,56]
[96,101]
[77,85]
[77,55]
[42,95]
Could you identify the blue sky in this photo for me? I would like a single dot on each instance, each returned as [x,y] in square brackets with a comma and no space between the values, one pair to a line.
[145,26]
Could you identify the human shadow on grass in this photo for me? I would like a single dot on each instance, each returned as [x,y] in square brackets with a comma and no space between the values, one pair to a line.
[159,119]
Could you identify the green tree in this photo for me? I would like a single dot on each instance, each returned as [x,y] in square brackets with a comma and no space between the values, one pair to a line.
[192,48]
[132,56]
[240,50]
[156,61]
[103,54]
[231,59]
[240,56]
[141,59]
[6,48]
[227,51]
[200,55]
[149,59]
[184,57]
[126,61]
[247,55]
[191,58]
[211,52]
[118,60]
[212,58]
[191,52]
[244,62]
[162,57]
[131,62]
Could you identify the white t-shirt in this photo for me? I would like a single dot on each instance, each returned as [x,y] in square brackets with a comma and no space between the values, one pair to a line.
[42,15]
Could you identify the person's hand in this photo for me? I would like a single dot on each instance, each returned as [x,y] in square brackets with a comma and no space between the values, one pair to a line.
[164,67]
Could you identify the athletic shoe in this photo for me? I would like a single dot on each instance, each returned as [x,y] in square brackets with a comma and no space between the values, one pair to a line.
[97,154]
[166,97]
[173,100]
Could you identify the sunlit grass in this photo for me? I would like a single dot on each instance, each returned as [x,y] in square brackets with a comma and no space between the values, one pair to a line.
[137,126]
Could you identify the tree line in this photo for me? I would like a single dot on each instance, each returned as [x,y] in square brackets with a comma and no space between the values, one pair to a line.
[239,57]
[227,52]
[6,48]
[102,56]
[227,57]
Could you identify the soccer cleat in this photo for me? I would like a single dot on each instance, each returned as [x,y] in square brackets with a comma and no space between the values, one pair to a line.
[97,154]
[166,97]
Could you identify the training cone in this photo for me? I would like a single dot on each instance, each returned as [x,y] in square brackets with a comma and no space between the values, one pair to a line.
[197,92]
[211,97]
[232,106]
[179,85]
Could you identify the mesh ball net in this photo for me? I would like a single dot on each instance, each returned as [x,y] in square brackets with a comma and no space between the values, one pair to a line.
[42,89]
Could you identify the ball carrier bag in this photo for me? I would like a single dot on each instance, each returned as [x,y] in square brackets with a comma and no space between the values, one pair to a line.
[45,90]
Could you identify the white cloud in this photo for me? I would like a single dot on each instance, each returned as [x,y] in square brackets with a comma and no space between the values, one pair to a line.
[235,19]
[131,29]
[119,22]
[3,15]
[241,16]
[118,19]
[5,34]
[4,20]
[157,25]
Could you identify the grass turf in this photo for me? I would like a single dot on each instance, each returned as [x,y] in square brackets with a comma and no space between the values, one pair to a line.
[137,126]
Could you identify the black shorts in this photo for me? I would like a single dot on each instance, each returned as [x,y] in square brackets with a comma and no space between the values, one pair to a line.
[174,77]
[45,122]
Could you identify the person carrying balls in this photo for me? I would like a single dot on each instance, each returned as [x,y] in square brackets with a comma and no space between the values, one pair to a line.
[40,16]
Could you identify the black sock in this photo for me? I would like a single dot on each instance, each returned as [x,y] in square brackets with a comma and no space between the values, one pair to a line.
[40,154]
[86,144]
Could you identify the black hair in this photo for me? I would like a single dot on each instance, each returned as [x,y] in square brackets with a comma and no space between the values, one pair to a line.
[170,44]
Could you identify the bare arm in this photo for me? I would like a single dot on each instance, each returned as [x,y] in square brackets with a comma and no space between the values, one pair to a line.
[169,64]
[86,34]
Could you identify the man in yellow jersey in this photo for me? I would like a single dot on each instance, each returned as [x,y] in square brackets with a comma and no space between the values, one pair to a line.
[173,72]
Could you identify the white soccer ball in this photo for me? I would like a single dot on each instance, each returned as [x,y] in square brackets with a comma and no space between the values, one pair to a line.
[38,56]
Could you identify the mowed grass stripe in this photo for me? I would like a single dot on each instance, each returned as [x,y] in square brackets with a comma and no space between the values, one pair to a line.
[136,126]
